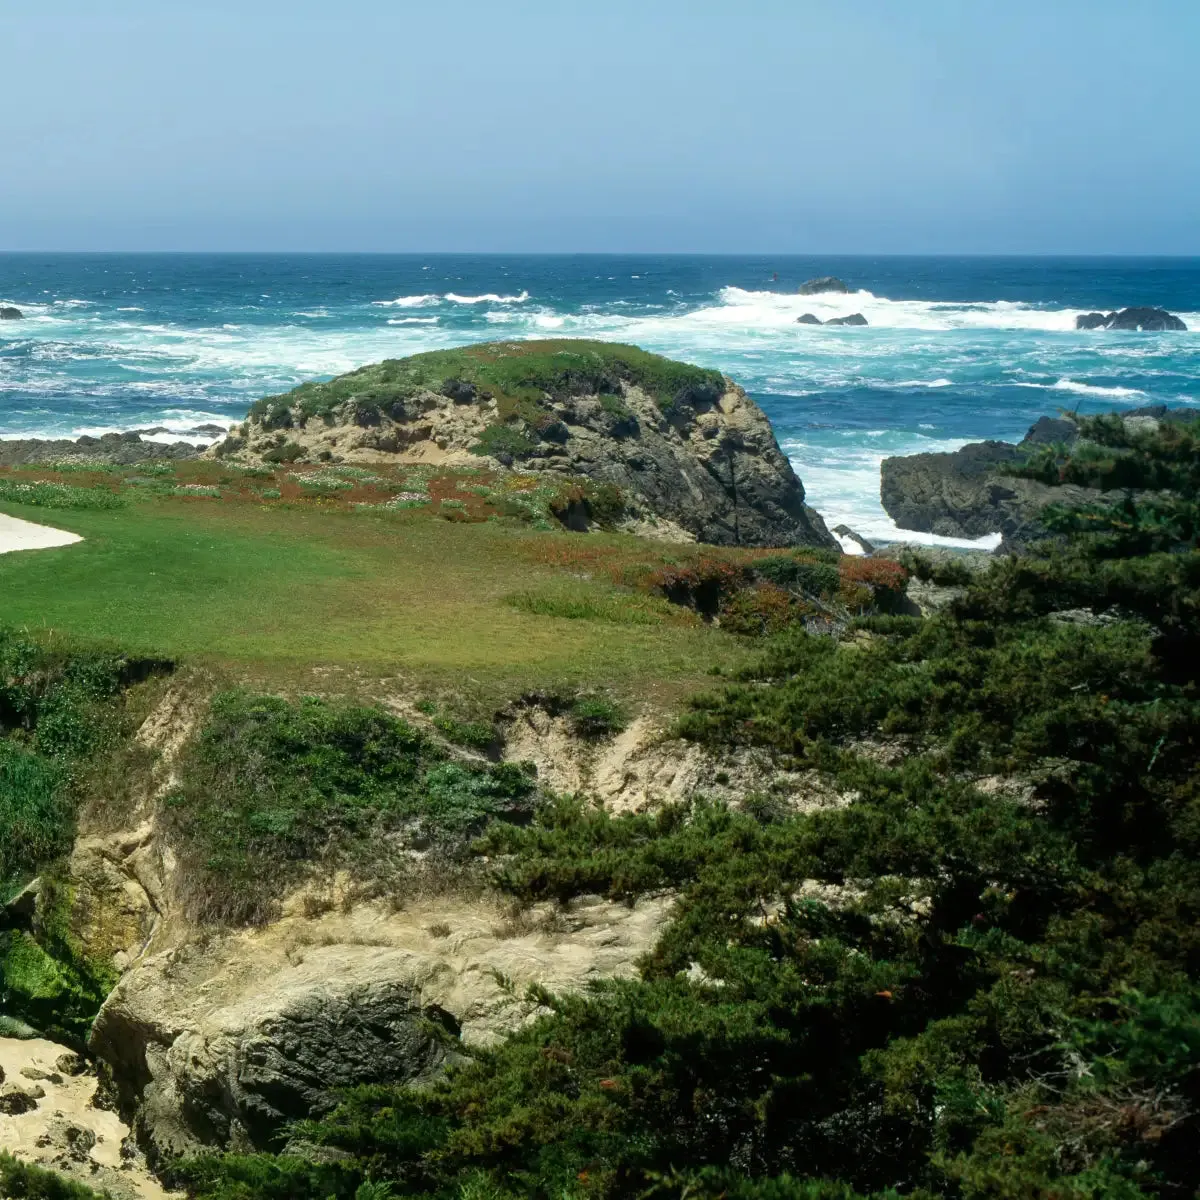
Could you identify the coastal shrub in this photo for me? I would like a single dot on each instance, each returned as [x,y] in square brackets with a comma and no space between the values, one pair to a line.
[57,495]
[24,1181]
[288,452]
[475,735]
[762,609]
[800,574]
[271,790]
[498,439]
[597,716]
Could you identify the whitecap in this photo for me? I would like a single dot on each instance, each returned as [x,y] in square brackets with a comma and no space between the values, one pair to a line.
[1089,389]
[413,320]
[409,301]
[488,298]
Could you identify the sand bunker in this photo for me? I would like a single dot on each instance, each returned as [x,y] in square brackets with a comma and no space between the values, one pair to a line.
[16,534]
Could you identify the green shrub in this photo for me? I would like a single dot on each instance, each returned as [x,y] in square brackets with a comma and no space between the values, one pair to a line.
[802,575]
[597,716]
[498,439]
[23,1181]
[286,453]
[271,790]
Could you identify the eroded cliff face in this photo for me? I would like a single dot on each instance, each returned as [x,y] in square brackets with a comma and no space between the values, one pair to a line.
[220,1041]
[688,451]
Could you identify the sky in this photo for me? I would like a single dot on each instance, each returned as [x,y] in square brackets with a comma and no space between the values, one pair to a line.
[713,126]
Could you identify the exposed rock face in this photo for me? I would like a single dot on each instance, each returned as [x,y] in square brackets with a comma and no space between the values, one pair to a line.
[967,494]
[1146,319]
[8,313]
[118,448]
[824,283]
[220,1044]
[808,319]
[683,445]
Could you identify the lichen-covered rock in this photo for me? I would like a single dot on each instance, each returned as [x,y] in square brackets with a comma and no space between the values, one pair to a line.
[673,442]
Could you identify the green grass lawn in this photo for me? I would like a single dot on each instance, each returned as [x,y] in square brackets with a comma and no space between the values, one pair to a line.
[280,587]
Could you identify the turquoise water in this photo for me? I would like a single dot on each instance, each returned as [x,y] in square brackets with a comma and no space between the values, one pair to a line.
[956,349]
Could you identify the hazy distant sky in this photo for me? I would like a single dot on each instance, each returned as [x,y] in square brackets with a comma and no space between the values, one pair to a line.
[904,126]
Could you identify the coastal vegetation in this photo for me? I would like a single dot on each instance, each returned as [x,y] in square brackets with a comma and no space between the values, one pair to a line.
[955,956]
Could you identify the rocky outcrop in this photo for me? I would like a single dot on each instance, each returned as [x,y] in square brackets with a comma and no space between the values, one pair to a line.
[9,313]
[1145,319]
[823,283]
[852,319]
[221,1042]
[968,494]
[673,443]
[111,448]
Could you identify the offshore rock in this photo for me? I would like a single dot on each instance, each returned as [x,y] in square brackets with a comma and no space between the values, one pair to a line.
[9,313]
[1144,319]
[808,319]
[852,319]
[824,283]
[685,448]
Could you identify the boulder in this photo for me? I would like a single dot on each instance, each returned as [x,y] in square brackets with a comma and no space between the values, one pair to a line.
[691,455]
[808,319]
[852,319]
[9,313]
[824,283]
[222,1042]
[857,544]
[1144,319]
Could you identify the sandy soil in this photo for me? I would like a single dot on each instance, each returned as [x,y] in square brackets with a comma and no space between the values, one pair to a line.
[62,1130]
[16,534]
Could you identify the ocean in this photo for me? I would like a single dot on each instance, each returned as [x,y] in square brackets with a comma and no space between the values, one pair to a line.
[956,349]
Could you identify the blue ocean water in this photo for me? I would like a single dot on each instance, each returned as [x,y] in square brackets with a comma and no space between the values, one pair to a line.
[957,349]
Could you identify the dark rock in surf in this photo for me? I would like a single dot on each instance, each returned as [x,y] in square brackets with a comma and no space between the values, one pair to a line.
[808,319]
[825,283]
[846,534]
[852,319]
[8,313]
[1147,320]
[119,449]
[969,494]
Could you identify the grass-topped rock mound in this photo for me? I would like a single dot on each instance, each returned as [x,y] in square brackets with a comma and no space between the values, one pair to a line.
[648,443]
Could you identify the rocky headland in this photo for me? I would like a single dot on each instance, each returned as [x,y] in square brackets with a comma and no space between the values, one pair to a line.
[971,492]
[646,443]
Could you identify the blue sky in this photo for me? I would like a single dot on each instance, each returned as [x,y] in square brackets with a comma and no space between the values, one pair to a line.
[879,126]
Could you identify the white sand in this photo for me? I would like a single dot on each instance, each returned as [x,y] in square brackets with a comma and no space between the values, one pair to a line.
[16,534]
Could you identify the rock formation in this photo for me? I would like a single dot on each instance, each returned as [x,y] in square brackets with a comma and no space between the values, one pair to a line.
[673,443]
[1145,319]
[968,494]
[824,283]
[852,319]
[110,448]
[8,313]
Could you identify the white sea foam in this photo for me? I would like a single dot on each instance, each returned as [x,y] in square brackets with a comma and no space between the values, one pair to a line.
[487,298]
[413,320]
[1088,389]
[408,301]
